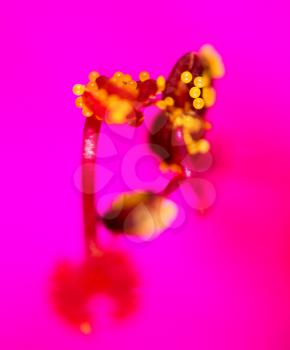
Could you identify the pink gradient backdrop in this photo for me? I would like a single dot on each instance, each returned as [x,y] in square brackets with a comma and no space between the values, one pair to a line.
[220,282]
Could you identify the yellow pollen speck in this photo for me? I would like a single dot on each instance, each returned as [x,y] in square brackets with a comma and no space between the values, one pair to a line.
[198,103]
[163,167]
[169,101]
[206,80]
[78,89]
[118,77]
[192,124]
[177,112]
[85,328]
[91,86]
[192,148]
[119,109]
[143,76]
[161,83]
[175,168]
[186,77]
[93,76]
[209,96]
[194,92]
[161,104]
[187,138]
[132,84]
[178,122]
[79,102]
[214,60]
[127,78]
[86,111]
[203,146]
[199,82]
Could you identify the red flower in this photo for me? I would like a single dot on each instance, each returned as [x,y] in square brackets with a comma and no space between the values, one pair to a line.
[179,130]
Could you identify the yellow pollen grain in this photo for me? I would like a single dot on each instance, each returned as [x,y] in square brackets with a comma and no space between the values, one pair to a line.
[214,60]
[117,77]
[93,76]
[194,92]
[127,78]
[177,112]
[192,148]
[203,146]
[186,77]
[143,76]
[91,85]
[85,328]
[161,83]
[119,111]
[78,89]
[178,122]
[199,82]
[192,124]
[79,102]
[132,84]
[169,101]
[161,104]
[163,167]
[187,121]
[175,168]
[87,112]
[209,96]
[198,103]
[206,80]
[187,138]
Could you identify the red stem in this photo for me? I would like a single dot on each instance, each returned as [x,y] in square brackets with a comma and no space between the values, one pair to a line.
[89,157]
[172,185]
[89,154]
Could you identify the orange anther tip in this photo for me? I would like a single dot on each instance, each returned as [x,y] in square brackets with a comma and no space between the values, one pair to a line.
[78,89]
[143,76]
[79,102]
[93,76]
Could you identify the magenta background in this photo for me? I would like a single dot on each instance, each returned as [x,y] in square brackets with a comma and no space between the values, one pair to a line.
[223,280]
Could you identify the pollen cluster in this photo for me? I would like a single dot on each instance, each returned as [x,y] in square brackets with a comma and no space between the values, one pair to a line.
[189,93]
[117,99]
[184,97]
[191,125]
